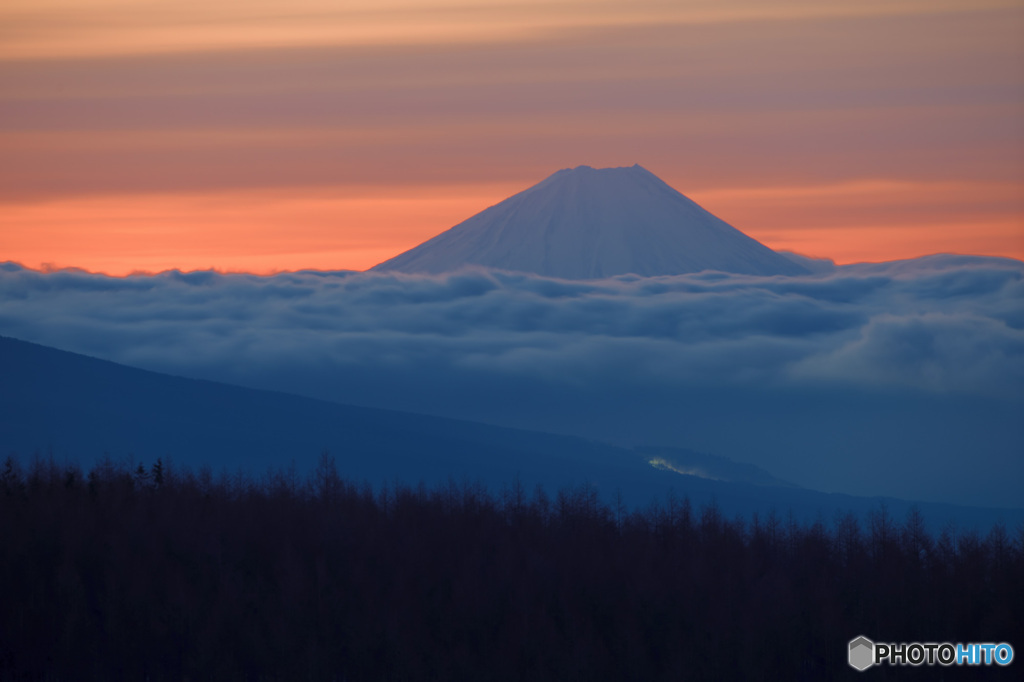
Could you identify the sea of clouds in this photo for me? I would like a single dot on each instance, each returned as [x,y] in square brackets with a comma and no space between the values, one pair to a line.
[818,378]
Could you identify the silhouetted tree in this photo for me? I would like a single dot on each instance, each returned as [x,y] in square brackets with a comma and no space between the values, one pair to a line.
[231,577]
[158,473]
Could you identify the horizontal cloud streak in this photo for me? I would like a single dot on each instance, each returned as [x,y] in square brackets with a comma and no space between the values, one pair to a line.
[50,28]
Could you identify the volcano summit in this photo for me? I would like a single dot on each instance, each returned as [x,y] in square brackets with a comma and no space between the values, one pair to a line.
[588,223]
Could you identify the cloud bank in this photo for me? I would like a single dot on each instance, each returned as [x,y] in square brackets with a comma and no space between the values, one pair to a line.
[761,369]
[944,324]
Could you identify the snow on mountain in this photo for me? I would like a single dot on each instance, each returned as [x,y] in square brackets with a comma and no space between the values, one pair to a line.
[586,223]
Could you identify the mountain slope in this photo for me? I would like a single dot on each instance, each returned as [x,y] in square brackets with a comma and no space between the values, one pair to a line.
[584,223]
[78,408]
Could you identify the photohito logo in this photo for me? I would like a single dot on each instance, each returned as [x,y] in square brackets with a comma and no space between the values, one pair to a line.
[863,653]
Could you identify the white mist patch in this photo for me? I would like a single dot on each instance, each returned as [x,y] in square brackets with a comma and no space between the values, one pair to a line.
[665,465]
[712,467]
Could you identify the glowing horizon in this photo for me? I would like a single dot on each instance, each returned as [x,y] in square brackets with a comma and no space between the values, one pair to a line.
[264,137]
[381,223]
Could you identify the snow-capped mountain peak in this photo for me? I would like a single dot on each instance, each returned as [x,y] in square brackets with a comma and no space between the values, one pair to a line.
[583,222]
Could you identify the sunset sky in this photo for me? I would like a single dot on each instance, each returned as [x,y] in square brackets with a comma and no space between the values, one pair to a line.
[266,135]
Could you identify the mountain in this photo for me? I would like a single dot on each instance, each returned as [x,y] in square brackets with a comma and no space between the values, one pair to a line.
[79,408]
[74,408]
[585,223]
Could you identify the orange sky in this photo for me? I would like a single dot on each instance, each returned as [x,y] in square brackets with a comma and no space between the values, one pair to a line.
[264,136]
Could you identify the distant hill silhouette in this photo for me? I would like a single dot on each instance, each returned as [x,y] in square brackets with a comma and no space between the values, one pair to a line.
[75,408]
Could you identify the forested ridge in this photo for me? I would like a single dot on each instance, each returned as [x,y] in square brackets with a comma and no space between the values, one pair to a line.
[137,572]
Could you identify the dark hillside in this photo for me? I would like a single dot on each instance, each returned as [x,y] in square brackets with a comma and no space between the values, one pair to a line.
[78,408]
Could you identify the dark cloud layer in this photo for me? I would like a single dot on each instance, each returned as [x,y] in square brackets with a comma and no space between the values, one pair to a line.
[902,364]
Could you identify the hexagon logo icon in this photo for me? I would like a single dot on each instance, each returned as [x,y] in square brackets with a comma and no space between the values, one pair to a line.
[862,653]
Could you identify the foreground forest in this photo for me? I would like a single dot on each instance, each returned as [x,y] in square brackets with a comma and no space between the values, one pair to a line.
[149,573]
